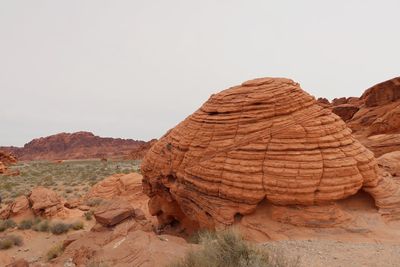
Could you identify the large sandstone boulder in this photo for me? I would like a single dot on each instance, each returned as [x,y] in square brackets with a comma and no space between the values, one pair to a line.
[45,202]
[130,247]
[117,185]
[114,212]
[264,139]
[19,207]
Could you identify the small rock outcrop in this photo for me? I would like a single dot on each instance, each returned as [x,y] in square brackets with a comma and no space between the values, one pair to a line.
[117,185]
[19,207]
[45,202]
[114,212]
[264,139]
[6,159]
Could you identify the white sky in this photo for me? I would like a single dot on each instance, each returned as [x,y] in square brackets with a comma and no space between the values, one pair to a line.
[134,69]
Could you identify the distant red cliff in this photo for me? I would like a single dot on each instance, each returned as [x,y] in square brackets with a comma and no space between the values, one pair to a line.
[79,145]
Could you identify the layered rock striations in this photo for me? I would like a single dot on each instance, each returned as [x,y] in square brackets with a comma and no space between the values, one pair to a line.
[266,139]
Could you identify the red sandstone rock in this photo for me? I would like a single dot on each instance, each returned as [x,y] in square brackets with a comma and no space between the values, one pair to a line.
[118,185]
[80,145]
[345,111]
[19,207]
[265,139]
[390,162]
[114,212]
[45,202]
[382,93]
[6,160]
[124,246]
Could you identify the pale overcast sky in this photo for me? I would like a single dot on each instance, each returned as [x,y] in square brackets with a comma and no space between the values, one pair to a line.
[134,69]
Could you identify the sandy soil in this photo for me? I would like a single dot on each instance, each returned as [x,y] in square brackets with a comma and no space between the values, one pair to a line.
[328,253]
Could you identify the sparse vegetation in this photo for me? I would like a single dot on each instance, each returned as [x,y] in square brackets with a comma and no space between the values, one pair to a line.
[77,225]
[6,224]
[55,252]
[88,215]
[94,202]
[59,228]
[41,226]
[9,241]
[228,248]
[73,177]
[25,224]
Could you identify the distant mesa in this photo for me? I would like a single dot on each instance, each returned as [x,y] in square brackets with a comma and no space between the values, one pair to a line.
[79,145]
[263,140]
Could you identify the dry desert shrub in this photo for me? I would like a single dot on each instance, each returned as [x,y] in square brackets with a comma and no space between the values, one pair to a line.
[228,248]
[9,241]
[55,252]
[6,224]
[25,224]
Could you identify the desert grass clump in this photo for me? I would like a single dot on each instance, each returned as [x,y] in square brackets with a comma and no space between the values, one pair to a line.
[228,248]
[94,202]
[9,241]
[25,224]
[88,215]
[6,224]
[59,228]
[55,252]
[41,226]
[78,225]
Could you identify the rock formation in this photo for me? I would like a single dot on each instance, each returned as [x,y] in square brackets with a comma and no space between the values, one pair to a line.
[45,202]
[114,212]
[117,185]
[6,159]
[79,145]
[19,207]
[391,162]
[264,139]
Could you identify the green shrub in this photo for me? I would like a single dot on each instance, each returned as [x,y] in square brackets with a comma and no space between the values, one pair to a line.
[59,228]
[55,252]
[94,202]
[78,225]
[5,243]
[228,248]
[5,224]
[9,241]
[25,224]
[42,226]
[88,215]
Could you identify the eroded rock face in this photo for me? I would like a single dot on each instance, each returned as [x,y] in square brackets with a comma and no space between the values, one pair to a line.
[114,212]
[265,139]
[45,202]
[391,162]
[118,185]
[6,160]
[20,206]
[345,111]
[382,93]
